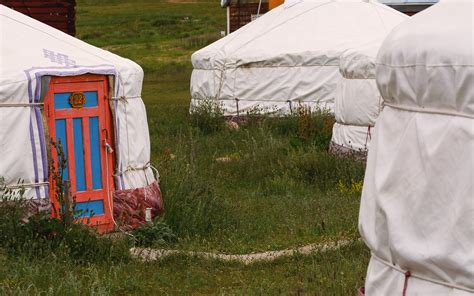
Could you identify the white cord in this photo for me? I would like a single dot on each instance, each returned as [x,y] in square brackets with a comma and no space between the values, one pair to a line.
[22,105]
[108,150]
[428,110]
[396,268]
[32,185]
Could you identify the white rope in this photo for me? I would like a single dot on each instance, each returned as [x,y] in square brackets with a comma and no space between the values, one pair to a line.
[427,110]
[7,105]
[396,268]
[157,174]
[125,98]
[28,185]
[130,168]
[126,118]
[255,64]
[280,101]
[355,125]
[221,82]
[108,150]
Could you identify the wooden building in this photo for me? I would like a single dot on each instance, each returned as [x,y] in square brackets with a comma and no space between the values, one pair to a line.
[242,12]
[60,14]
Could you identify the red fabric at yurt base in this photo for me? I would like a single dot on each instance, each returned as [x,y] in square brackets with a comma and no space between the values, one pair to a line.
[130,205]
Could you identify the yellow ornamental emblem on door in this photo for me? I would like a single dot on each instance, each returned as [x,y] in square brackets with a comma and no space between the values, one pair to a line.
[77,100]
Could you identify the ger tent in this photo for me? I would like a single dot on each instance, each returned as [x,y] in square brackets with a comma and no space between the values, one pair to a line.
[287,57]
[358,101]
[56,87]
[417,210]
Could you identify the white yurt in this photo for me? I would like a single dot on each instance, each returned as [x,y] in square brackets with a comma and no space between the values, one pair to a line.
[417,209]
[55,88]
[358,101]
[287,57]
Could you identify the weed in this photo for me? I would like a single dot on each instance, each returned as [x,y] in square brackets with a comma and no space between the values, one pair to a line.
[154,234]
[354,188]
[207,116]
[326,170]
[42,236]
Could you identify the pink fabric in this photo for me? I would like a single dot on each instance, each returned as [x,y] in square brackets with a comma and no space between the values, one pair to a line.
[130,205]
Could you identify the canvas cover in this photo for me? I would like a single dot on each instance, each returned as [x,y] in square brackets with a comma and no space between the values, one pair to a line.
[31,51]
[417,209]
[287,57]
[358,101]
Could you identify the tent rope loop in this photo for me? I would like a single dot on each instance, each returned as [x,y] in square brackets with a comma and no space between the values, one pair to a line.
[237,106]
[428,110]
[124,99]
[405,284]
[28,185]
[368,136]
[221,82]
[21,105]
[417,276]
[134,169]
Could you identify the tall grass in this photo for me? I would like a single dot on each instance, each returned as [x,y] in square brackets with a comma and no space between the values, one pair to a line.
[41,236]
[236,204]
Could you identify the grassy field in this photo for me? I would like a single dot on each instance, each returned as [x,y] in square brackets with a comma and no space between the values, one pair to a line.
[279,189]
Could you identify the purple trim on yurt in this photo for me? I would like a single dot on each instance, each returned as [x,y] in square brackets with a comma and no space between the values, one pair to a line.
[32,137]
[35,161]
[39,123]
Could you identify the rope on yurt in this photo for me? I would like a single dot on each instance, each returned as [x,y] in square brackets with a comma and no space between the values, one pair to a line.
[410,274]
[405,284]
[130,168]
[281,101]
[147,166]
[29,185]
[221,82]
[429,111]
[368,136]
[291,107]
[125,102]
[237,106]
[157,174]
[124,99]
[108,149]
[21,105]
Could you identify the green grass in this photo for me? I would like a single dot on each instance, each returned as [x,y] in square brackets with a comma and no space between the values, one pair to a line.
[333,273]
[281,188]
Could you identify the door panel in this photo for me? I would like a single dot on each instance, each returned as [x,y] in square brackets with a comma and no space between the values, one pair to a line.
[83,129]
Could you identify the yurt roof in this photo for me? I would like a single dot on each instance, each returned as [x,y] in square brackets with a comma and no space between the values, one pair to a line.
[308,32]
[29,44]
